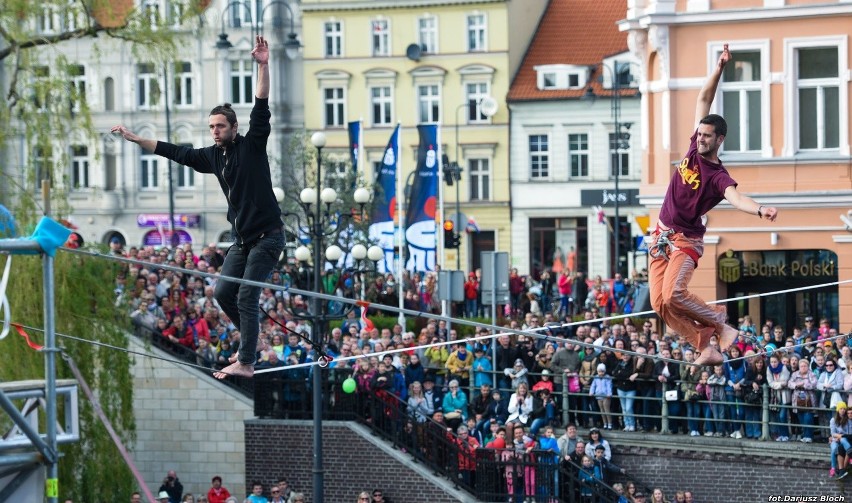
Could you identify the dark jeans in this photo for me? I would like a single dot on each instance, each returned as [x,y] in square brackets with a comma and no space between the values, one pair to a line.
[239,301]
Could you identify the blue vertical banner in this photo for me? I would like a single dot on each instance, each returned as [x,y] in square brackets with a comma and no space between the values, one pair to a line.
[420,231]
[384,203]
[354,143]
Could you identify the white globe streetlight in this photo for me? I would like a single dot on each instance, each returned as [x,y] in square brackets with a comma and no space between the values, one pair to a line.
[308,195]
[279,194]
[303,254]
[333,253]
[328,195]
[375,253]
[362,195]
[359,252]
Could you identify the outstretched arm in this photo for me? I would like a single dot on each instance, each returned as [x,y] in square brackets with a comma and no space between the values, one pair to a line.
[708,92]
[128,135]
[260,53]
[749,205]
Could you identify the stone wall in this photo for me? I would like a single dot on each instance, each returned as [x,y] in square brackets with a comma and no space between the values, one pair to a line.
[187,422]
[353,461]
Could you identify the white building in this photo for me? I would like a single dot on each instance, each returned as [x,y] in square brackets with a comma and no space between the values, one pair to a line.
[564,150]
[118,190]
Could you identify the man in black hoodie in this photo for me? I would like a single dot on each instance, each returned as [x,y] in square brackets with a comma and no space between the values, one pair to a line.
[241,166]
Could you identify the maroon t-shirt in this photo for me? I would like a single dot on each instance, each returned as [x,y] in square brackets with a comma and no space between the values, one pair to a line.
[697,186]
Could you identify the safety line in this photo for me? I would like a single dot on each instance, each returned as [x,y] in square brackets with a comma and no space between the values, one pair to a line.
[119,348]
[498,331]
[415,313]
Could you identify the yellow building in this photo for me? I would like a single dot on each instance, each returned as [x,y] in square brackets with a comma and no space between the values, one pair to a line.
[413,62]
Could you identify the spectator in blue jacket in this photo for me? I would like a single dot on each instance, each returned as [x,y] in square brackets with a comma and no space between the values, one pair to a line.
[455,405]
[481,367]
[735,374]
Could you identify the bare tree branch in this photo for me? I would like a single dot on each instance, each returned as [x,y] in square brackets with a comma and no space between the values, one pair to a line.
[46,40]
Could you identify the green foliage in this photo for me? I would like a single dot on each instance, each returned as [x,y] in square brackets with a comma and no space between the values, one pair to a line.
[45,105]
[91,469]
[299,170]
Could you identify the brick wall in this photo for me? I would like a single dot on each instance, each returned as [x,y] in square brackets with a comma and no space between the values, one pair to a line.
[733,477]
[737,472]
[352,461]
[187,422]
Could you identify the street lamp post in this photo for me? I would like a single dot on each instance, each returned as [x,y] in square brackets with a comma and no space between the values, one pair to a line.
[291,46]
[486,106]
[620,143]
[320,226]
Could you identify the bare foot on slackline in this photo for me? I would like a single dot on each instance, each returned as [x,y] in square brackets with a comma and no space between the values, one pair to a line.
[235,369]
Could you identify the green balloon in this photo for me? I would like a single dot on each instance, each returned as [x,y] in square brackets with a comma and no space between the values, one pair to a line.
[349,385]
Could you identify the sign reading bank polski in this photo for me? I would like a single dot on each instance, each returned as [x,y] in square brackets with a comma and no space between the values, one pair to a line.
[162,219]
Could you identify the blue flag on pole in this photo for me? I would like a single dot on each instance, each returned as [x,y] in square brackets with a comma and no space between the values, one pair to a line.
[354,143]
[420,232]
[384,203]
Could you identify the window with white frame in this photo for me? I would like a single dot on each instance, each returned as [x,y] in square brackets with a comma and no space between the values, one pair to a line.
[428,28]
[429,101]
[818,86]
[480,179]
[561,76]
[241,82]
[333,39]
[381,103]
[48,20]
[578,155]
[177,11]
[381,37]
[742,101]
[476,92]
[619,155]
[73,15]
[147,86]
[185,174]
[43,164]
[476,32]
[183,83]
[151,9]
[77,77]
[148,164]
[539,148]
[79,167]
[245,13]
[334,103]
[41,87]
[335,173]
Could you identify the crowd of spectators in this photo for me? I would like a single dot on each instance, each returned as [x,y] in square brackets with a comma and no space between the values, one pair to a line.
[172,491]
[579,371]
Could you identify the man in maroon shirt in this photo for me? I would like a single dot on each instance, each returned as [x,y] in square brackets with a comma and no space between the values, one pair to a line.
[697,185]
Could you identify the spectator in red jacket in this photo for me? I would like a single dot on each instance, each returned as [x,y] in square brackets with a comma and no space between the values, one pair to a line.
[217,493]
[471,292]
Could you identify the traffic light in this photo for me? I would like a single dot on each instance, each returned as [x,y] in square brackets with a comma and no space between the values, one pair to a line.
[625,237]
[446,169]
[451,240]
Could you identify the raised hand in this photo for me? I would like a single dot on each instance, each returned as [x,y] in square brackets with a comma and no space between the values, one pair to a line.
[724,57]
[260,53]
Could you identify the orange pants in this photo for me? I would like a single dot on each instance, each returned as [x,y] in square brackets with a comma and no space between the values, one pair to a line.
[683,312]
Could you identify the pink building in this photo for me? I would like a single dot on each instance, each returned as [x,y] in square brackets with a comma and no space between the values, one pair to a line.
[786,100]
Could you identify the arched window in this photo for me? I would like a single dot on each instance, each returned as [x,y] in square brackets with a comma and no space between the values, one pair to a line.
[109,94]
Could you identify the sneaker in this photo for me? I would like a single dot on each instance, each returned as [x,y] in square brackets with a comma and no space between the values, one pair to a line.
[718,434]
[694,434]
[737,435]
[832,473]
[843,473]
[785,439]
[708,433]
[806,440]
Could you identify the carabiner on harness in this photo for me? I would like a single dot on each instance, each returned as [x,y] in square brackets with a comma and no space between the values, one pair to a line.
[663,246]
